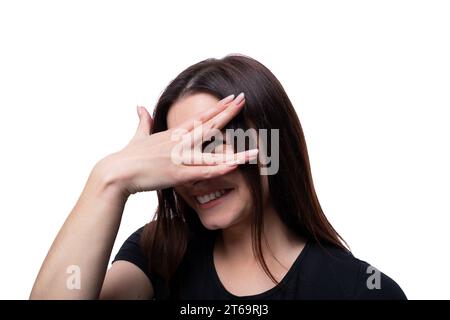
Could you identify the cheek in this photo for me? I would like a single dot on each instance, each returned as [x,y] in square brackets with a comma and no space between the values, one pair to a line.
[243,197]
[244,194]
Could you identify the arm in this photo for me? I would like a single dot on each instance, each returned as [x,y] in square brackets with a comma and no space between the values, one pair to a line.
[87,236]
[85,240]
[125,281]
[129,276]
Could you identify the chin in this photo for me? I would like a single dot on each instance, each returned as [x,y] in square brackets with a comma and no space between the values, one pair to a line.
[216,222]
[222,218]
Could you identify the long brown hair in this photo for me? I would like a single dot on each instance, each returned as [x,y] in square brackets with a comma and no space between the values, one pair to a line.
[291,190]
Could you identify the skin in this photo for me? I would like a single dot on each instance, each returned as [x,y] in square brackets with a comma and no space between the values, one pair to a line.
[236,207]
[145,164]
[234,260]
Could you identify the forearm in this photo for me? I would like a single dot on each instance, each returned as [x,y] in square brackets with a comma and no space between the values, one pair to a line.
[84,241]
[146,163]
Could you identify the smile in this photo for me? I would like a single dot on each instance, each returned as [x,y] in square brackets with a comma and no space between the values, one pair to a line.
[212,197]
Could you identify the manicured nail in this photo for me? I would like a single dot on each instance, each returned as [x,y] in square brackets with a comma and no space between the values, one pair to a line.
[227,99]
[239,98]
[251,153]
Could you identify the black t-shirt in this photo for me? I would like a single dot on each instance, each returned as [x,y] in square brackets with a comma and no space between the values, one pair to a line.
[319,272]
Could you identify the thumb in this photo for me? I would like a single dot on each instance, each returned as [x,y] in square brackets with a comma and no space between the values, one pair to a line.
[145,122]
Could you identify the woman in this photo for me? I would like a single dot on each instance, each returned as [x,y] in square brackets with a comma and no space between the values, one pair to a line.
[227,226]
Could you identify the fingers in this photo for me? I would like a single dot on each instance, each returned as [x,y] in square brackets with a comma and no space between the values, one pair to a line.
[145,122]
[225,100]
[206,115]
[220,120]
[211,127]
[192,173]
[203,172]
[205,159]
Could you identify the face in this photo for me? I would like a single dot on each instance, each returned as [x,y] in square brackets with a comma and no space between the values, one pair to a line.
[220,202]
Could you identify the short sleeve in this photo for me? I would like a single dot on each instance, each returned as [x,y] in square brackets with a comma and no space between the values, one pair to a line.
[375,285]
[131,251]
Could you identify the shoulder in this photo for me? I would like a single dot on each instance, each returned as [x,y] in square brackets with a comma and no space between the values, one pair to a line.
[135,249]
[340,275]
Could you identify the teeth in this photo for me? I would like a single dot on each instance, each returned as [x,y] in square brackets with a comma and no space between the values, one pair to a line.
[208,197]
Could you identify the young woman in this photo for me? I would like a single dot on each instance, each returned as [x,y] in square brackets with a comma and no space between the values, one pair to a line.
[222,230]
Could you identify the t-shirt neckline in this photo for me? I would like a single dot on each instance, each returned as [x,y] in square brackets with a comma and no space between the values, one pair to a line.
[295,266]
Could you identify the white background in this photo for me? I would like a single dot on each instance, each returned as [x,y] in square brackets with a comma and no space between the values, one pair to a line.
[370,81]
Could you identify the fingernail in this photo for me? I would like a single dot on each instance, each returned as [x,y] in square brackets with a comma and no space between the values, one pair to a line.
[138,110]
[251,153]
[239,98]
[228,99]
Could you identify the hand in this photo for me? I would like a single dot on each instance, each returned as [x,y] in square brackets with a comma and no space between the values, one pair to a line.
[149,162]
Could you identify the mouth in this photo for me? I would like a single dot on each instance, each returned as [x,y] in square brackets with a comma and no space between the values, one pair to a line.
[213,198]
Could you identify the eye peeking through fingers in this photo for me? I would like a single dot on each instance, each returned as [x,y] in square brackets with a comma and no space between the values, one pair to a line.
[214,145]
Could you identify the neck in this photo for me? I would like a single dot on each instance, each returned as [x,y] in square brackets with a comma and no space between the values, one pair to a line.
[236,243]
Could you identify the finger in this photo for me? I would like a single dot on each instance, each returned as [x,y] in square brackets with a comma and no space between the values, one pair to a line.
[221,119]
[145,122]
[207,114]
[226,100]
[193,173]
[220,158]
[217,122]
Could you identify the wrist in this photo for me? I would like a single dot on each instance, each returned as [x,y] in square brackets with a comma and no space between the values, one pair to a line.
[107,182]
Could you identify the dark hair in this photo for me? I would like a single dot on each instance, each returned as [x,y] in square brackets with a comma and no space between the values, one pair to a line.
[291,190]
